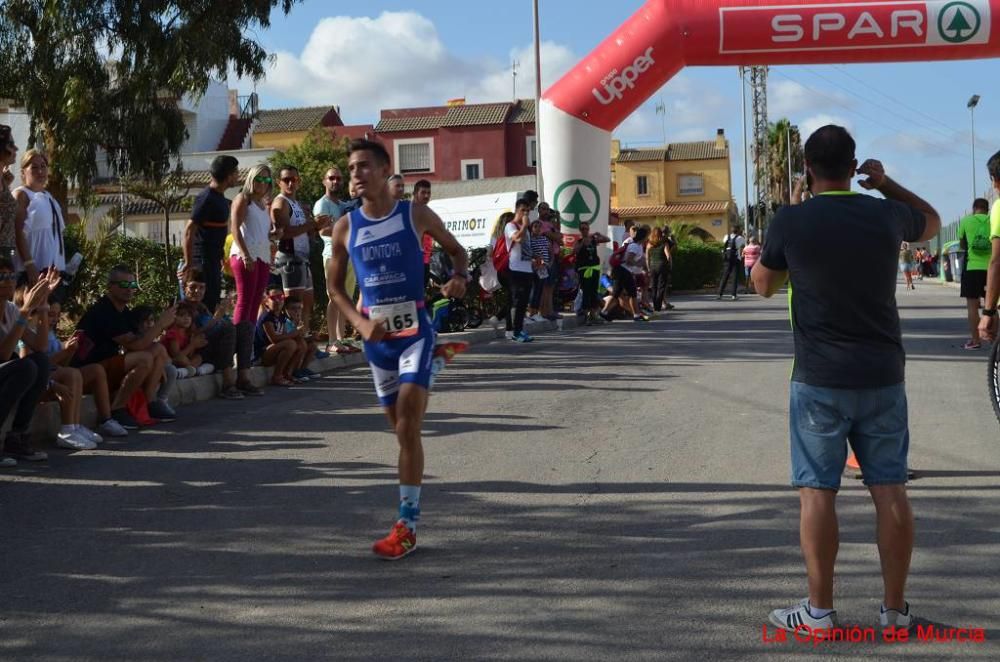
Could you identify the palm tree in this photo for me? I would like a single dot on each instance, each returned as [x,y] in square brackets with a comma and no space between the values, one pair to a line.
[779,134]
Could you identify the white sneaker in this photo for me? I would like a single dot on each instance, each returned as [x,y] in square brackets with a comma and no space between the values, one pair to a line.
[205,369]
[73,442]
[89,434]
[496,322]
[537,318]
[509,335]
[798,616]
[112,428]
[894,618]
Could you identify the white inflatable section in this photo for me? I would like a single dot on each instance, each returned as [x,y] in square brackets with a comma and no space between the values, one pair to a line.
[576,170]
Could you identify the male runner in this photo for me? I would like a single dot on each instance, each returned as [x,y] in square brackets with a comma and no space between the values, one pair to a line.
[988,320]
[382,241]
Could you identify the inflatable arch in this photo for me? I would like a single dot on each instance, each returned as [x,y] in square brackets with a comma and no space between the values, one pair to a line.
[578,112]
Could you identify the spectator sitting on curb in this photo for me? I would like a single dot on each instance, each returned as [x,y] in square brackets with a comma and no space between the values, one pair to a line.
[183,343]
[272,346]
[294,328]
[224,340]
[107,332]
[95,381]
[65,384]
[22,380]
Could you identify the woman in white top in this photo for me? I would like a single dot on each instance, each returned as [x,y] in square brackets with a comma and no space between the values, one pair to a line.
[250,255]
[38,221]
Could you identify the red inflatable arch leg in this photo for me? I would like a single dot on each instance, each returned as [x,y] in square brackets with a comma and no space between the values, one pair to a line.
[578,113]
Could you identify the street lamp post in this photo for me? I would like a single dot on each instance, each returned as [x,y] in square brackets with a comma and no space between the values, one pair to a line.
[973,102]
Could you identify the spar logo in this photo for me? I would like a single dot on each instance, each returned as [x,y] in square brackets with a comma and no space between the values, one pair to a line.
[958,22]
[577,201]
[848,26]
[615,83]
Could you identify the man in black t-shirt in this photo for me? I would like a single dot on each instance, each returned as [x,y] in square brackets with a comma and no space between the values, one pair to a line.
[205,232]
[107,328]
[847,382]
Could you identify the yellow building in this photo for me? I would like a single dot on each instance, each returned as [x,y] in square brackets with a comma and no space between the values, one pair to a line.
[284,128]
[679,183]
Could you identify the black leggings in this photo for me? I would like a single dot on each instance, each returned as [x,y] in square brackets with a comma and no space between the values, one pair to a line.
[660,277]
[589,285]
[22,382]
[518,284]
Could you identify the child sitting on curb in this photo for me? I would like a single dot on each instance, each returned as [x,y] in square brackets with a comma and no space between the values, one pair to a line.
[273,346]
[183,343]
[294,328]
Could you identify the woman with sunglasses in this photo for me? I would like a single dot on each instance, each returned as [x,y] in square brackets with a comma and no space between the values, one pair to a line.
[8,206]
[250,255]
[38,221]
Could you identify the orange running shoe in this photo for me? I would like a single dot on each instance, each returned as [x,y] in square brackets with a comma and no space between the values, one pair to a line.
[443,354]
[400,542]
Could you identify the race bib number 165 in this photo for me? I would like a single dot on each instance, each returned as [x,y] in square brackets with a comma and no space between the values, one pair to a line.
[400,319]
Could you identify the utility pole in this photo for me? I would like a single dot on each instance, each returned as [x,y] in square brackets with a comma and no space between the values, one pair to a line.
[513,74]
[539,182]
[762,175]
[746,157]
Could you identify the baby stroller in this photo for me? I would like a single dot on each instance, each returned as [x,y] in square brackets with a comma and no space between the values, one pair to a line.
[569,280]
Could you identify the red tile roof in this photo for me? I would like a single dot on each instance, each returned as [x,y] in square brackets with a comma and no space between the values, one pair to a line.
[673,209]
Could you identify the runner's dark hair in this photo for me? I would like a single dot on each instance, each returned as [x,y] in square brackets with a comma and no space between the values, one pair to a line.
[421,183]
[981,204]
[376,148]
[829,151]
[522,202]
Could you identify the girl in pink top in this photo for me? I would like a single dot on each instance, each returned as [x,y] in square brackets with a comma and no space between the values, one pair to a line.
[751,253]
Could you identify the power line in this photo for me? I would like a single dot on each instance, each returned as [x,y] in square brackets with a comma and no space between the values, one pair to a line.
[873,120]
[950,136]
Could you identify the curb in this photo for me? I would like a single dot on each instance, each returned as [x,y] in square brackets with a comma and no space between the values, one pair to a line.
[46,421]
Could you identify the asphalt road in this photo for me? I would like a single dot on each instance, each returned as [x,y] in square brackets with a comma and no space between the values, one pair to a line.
[609,493]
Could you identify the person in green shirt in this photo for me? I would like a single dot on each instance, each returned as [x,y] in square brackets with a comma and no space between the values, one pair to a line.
[974,237]
[988,321]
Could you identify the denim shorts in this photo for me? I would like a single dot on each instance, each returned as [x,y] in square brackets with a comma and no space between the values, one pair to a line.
[823,420]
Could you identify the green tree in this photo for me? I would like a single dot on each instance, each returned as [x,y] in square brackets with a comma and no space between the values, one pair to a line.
[107,74]
[169,193]
[778,149]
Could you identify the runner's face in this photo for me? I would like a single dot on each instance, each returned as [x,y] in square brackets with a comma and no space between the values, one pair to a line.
[289,182]
[368,175]
[422,195]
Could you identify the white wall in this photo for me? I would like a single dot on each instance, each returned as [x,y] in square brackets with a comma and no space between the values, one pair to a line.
[206,118]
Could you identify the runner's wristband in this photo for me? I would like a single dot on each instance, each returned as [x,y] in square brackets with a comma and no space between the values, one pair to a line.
[990,312]
[21,321]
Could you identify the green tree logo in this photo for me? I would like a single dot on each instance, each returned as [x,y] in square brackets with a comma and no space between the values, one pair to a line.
[577,201]
[958,22]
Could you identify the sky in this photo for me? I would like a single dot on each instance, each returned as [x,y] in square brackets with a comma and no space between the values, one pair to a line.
[390,54]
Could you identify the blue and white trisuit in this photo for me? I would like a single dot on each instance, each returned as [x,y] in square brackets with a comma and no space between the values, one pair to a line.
[388,259]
